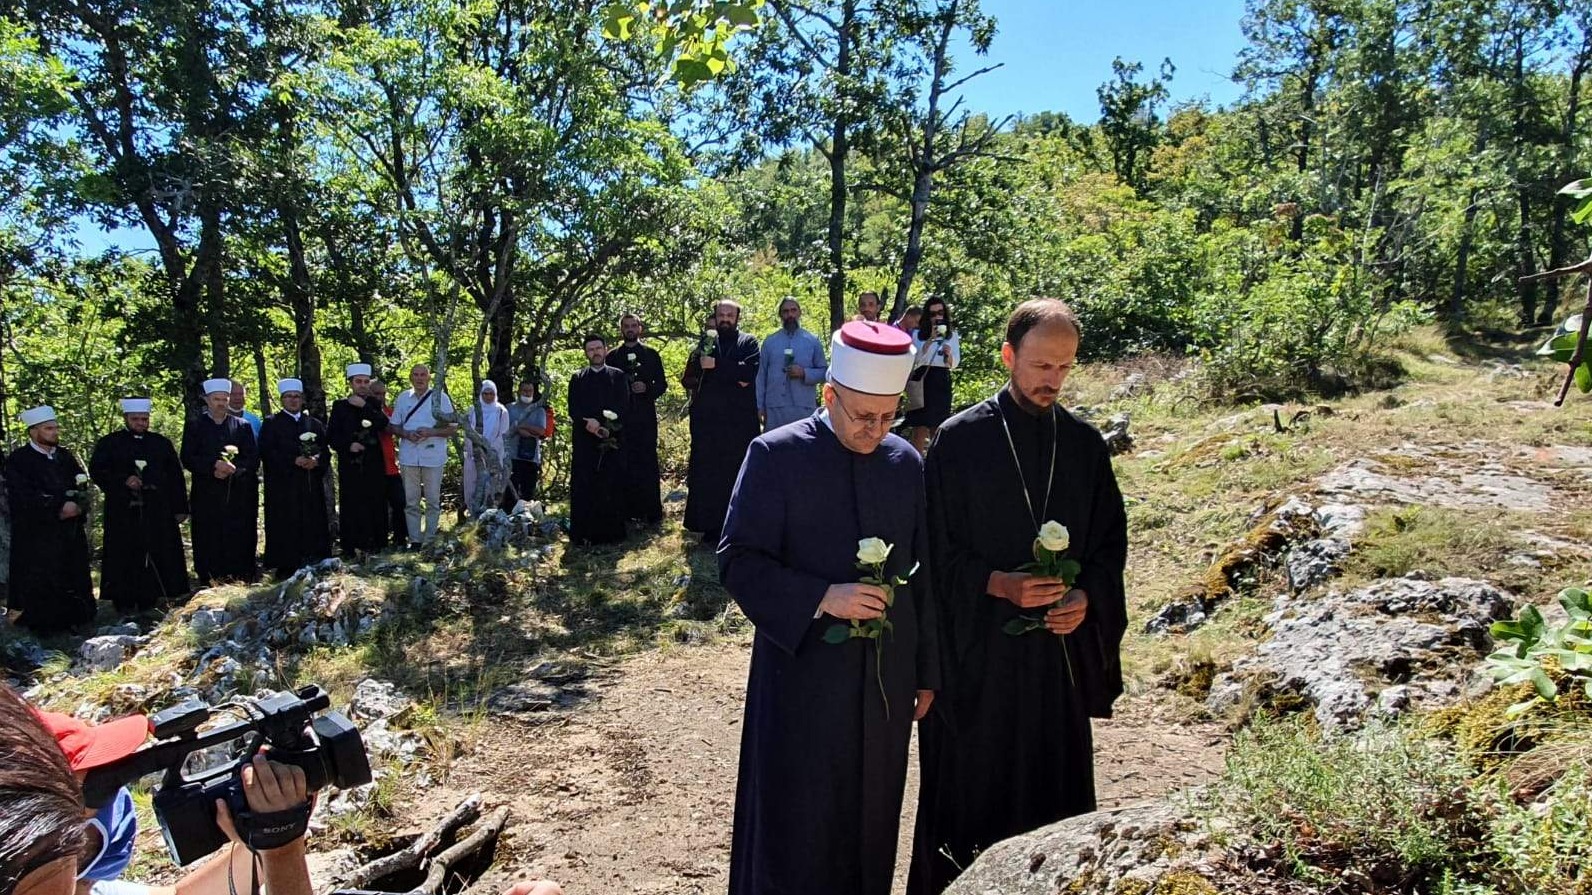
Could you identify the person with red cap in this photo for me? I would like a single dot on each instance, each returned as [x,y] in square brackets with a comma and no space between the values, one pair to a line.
[113,827]
[841,666]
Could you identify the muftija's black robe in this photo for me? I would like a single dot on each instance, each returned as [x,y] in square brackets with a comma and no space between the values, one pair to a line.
[1008,747]
[226,512]
[50,582]
[723,423]
[361,476]
[142,563]
[643,480]
[597,476]
[822,766]
[296,531]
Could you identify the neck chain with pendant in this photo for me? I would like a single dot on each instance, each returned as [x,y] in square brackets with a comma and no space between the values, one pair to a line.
[1044,511]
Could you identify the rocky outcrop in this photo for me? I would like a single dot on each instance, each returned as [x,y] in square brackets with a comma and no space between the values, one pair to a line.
[1378,650]
[1149,847]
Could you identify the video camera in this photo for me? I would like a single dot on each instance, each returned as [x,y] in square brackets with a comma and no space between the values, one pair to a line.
[327,747]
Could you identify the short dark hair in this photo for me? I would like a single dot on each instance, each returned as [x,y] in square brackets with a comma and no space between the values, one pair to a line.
[593,337]
[629,315]
[41,806]
[1037,311]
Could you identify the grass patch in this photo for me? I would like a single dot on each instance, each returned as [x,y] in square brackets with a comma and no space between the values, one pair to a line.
[1443,542]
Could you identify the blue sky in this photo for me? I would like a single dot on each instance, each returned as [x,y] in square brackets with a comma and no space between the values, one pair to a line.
[1056,52]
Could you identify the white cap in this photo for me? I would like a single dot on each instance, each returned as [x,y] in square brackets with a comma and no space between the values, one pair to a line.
[217,385]
[283,386]
[357,370]
[41,414]
[137,405]
[872,358]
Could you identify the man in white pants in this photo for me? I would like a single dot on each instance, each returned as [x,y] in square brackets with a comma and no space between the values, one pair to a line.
[422,451]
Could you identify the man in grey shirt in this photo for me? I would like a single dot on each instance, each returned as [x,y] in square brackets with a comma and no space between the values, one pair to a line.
[791,369]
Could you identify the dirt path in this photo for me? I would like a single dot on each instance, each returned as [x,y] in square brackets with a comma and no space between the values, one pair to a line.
[634,793]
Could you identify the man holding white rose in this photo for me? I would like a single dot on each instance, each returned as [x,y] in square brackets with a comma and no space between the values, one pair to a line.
[295,456]
[146,499]
[825,548]
[1030,542]
[791,368]
[599,397]
[51,589]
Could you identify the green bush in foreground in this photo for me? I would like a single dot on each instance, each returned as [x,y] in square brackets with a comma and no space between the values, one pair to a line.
[1394,810]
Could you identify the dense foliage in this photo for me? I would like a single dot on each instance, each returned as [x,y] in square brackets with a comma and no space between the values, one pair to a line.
[291,184]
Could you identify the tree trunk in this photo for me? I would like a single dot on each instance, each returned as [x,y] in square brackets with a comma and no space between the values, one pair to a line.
[1525,259]
[1558,242]
[839,148]
[266,385]
[1456,299]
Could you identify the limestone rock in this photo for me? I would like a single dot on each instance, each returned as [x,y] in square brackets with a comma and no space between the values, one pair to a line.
[1314,561]
[106,653]
[376,700]
[1094,854]
[1339,651]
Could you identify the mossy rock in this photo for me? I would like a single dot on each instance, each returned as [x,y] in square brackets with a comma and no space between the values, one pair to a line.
[1184,882]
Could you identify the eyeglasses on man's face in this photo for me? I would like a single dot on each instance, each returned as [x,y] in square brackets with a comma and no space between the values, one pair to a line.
[870,421]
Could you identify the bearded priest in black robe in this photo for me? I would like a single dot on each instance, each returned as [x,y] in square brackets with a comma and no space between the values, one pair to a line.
[51,589]
[1029,659]
[599,398]
[219,451]
[820,505]
[355,434]
[146,501]
[721,377]
[643,368]
[295,456]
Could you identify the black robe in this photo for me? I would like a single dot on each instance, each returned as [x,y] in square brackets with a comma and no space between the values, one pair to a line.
[823,766]
[643,480]
[723,423]
[362,476]
[296,531]
[50,581]
[226,512]
[142,564]
[597,477]
[1009,747]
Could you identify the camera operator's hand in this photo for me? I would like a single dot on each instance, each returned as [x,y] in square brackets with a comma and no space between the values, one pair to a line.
[268,787]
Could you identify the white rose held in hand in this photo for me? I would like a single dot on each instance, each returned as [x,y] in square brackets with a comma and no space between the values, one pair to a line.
[310,436]
[364,424]
[1053,536]
[81,479]
[140,464]
[610,416]
[872,551]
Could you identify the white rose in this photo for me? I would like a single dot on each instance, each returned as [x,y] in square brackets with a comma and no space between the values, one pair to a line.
[610,416]
[82,479]
[872,551]
[1053,536]
[140,464]
[307,436]
[230,450]
[364,424]
[631,358]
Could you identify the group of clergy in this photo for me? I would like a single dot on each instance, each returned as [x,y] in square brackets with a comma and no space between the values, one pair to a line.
[139,477]
[977,592]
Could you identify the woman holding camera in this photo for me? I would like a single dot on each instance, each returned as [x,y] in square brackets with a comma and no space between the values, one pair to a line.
[939,350]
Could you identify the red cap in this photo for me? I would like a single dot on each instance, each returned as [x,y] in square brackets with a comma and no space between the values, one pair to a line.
[88,747]
[875,338]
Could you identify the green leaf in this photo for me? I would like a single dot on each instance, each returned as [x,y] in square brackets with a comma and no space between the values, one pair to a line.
[1546,688]
[1579,189]
[1577,601]
[1582,211]
[1583,378]
[743,17]
[837,634]
[1017,626]
[1068,570]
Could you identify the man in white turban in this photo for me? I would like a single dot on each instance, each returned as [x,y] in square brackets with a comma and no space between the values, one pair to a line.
[355,434]
[146,500]
[296,457]
[219,452]
[51,589]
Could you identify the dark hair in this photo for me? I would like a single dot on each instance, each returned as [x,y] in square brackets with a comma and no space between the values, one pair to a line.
[1036,311]
[593,337]
[926,323]
[629,315]
[41,806]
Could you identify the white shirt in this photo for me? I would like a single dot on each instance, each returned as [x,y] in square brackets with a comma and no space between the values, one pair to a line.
[431,451]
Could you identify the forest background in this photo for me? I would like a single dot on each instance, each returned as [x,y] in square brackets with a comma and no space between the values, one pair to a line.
[318,182]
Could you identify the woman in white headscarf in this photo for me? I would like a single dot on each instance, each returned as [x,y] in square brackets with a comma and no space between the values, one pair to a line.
[490,418]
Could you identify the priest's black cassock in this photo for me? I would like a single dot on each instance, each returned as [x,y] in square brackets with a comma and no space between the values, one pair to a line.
[296,530]
[50,582]
[643,481]
[226,512]
[361,476]
[822,767]
[723,423]
[597,477]
[1008,746]
[142,564]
